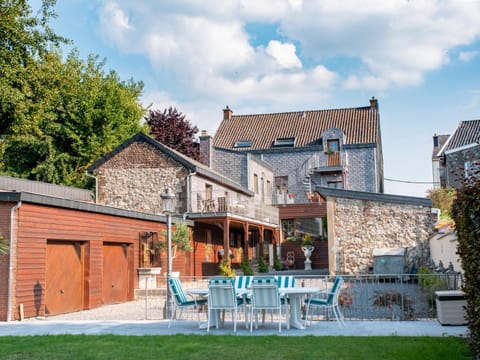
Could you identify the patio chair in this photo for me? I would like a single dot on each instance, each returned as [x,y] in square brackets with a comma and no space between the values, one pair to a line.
[242,285]
[181,301]
[265,296]
[327,300]
[221,296]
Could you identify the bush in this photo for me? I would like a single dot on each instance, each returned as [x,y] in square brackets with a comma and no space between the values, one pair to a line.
[246,267]
[466,213]
[262,265]
[277,264]
[225,267]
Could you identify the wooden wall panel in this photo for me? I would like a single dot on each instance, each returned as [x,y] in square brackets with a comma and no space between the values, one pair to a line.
[39,224]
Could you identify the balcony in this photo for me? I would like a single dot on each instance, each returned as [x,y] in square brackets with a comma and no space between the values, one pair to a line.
[235,205]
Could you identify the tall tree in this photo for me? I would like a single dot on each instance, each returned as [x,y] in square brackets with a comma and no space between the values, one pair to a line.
[171,128]
[58,116]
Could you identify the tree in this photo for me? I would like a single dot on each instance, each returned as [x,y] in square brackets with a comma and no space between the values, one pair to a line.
[442,199]
[58,116]
[171,128]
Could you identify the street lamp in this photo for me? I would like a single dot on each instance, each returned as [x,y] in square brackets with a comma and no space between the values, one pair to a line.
[168,207]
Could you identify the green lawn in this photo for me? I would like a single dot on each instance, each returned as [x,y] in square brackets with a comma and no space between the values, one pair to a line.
[211,347]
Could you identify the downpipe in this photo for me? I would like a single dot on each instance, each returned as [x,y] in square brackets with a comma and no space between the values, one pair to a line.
[11,257]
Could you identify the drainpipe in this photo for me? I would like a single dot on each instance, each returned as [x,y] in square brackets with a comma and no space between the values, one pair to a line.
[189,191]
[96,184]
[11,257]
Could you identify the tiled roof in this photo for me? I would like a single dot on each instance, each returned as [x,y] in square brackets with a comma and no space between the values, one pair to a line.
[467,132]
[361,125]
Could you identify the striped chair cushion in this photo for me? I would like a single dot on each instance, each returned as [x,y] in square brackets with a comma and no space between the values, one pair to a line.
[265,293]
[287,281]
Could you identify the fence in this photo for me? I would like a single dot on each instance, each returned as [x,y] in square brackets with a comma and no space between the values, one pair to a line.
[362,297]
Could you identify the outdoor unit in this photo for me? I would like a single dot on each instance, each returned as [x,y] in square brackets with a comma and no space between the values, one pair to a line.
[388,261]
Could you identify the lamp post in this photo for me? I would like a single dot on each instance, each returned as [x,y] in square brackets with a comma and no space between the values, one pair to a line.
[168,207]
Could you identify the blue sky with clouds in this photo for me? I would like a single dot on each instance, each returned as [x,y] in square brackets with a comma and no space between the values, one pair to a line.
[420,59]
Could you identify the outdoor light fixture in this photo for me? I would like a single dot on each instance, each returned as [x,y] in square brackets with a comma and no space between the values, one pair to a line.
[168,207]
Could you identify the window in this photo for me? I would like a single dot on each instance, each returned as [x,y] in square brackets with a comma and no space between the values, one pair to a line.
[281,183]
[284,142]
[208,192]
[335,184]
[269,188]
[255,183]
[243,144]
[333,145]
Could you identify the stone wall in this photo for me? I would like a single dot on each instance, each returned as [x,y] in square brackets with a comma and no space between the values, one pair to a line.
[135,178]
[356,227]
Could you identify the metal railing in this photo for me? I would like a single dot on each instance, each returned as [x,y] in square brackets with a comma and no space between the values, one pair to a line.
[362,297]
[240,205]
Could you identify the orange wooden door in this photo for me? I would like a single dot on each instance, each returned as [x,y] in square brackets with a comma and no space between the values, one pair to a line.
[64,278]
[115,273]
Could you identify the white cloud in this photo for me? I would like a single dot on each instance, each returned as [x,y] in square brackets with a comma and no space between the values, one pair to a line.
[114,22]
[203,52]
[467,56]
[284,54]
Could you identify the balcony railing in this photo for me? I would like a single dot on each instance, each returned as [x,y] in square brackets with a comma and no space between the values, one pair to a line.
[240,206]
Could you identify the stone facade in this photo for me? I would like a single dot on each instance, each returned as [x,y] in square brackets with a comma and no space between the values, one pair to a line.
[356,227]
[135,178]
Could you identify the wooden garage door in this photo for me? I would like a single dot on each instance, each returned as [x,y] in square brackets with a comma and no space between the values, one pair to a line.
[64,278]
[115,273]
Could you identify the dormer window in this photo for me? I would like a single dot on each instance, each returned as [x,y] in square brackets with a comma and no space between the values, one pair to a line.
[243,144]
[333,146]
[284,142]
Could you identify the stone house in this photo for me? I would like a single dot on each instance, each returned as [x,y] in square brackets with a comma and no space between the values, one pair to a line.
[229,216]
[337,148]
[459,157]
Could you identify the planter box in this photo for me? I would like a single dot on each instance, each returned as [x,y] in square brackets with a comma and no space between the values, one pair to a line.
[450,307]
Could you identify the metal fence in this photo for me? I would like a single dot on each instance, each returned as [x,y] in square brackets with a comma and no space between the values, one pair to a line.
[362,297]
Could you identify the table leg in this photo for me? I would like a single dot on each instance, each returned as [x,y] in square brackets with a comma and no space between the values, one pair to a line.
[295,311]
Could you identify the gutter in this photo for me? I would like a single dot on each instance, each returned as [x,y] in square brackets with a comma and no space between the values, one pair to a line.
[10,266]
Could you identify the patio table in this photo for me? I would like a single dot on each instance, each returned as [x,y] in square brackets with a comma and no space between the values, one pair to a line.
[295,295]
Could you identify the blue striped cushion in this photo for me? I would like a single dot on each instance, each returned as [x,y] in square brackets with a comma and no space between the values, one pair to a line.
[265,293]
[286,281]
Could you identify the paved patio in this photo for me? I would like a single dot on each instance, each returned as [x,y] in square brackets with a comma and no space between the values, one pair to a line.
[160,327]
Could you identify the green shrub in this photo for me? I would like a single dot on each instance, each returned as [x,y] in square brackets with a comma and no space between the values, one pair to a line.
[277,264]
[246,267]
[466,213]
[225,267]
[262,265]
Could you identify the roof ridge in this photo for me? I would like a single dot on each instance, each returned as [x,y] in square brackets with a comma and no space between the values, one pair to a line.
[302,111]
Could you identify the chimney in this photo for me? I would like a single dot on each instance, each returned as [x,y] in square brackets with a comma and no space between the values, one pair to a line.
[206,148]
[227,113]
[435,140]
[374,103]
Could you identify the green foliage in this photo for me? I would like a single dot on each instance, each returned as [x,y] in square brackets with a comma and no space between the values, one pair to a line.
[466,213]
[246,267]
[277,263]
[442,199]
[171,128]
[3,245]
[57,116]
[262,265]
[225,267]
[180,238]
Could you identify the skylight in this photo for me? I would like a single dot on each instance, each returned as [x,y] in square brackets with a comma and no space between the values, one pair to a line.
[243,143]
[290,142]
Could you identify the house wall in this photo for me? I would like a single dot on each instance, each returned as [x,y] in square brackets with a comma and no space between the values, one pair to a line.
[356,227]
[455,165]
[231,164]
[361,175]
[37,224]
[135,178]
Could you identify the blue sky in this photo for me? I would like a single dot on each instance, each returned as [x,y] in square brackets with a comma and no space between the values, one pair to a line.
[420,59]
